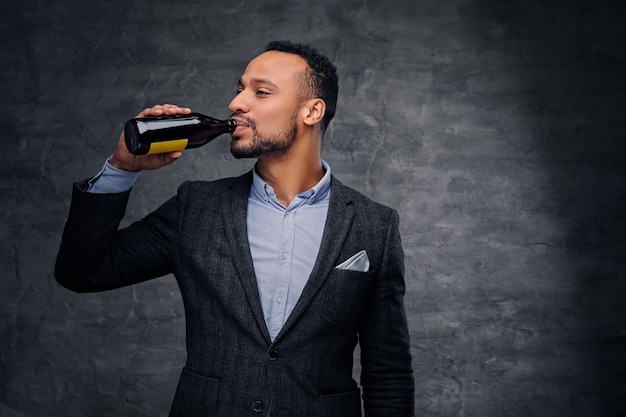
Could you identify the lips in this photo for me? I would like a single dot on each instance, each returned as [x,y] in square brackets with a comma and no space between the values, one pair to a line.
[241,126]
[241,122]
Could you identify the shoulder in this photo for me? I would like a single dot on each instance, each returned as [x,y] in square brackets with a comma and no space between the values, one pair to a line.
[363,204]
[219,186]
[351,196]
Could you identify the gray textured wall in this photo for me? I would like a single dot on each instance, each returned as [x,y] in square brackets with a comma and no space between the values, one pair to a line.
[496,128]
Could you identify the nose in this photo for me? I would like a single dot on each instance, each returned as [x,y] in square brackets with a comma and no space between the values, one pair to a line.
[238,104]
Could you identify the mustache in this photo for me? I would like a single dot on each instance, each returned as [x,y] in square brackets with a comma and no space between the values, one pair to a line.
[245,118]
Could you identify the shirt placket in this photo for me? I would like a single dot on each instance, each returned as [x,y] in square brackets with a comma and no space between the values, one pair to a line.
[285,257]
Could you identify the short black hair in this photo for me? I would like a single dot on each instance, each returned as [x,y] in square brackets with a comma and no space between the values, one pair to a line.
[322,80]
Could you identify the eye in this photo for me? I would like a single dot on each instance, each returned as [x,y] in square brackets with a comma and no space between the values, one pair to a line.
[262,92]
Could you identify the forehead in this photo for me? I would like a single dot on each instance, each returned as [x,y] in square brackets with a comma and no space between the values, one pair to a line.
[275,66]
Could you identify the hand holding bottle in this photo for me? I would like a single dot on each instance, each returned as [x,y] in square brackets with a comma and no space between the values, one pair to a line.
[123,159]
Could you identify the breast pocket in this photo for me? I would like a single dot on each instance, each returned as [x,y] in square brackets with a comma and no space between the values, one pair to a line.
[345,297]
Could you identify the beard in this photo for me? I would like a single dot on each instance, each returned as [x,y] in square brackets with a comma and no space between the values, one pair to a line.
[266,146]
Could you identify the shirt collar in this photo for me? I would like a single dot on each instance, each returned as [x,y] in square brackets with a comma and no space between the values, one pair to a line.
[319,192]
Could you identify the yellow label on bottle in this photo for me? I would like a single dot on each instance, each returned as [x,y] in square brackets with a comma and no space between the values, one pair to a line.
[167,146]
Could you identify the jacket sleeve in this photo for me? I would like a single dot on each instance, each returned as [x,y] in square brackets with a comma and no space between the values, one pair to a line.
[95,255]
[387,373]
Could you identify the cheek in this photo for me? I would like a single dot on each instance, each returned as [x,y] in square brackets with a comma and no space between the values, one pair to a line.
[274,118]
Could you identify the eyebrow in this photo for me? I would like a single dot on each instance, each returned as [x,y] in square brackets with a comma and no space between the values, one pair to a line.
[260,81]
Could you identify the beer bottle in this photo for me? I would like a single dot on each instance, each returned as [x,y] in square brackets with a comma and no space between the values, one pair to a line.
[150,135]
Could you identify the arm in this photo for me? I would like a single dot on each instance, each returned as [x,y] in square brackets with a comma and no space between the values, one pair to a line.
[94,255]
[387,374]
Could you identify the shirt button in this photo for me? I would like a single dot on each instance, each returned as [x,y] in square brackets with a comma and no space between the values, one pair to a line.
[280,299]
[272,354]
[257,406]
[284,255]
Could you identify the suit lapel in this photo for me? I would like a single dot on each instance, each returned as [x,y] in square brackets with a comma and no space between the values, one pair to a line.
[234,218]
[338,222]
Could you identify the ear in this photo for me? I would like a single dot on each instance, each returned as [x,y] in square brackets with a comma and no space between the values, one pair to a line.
[313,111]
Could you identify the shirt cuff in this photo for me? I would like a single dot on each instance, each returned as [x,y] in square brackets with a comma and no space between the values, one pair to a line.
[112,180]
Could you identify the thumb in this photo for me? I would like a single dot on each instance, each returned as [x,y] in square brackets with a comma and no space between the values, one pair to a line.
[170,157]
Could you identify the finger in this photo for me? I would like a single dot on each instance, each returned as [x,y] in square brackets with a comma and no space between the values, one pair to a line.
[150,111]
[161,109]
[168,158]
[175,109]
[174,155]
[156,110]
[170,109]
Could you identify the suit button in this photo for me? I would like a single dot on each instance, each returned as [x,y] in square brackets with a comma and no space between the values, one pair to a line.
[257,406]
[273,354]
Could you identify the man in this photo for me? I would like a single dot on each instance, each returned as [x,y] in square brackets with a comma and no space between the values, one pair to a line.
[282,270]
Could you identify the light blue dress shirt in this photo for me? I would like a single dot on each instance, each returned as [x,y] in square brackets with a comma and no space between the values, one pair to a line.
[284,241]
[112,180]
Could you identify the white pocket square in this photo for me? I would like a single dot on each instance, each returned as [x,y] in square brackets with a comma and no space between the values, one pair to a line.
[357,262]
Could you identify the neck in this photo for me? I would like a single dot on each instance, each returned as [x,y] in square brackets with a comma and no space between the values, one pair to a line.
[291,173]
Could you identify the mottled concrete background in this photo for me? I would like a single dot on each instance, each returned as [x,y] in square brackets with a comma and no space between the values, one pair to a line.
[496,128]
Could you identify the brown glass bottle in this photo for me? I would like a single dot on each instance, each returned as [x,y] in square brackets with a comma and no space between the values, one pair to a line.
[150,135]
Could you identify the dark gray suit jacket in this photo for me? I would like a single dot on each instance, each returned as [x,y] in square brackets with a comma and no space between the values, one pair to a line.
[232,368]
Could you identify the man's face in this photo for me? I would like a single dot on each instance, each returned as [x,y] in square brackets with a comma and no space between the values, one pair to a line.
[266,105]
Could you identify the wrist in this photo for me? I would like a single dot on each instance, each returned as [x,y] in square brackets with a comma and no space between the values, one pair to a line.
[115,162]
